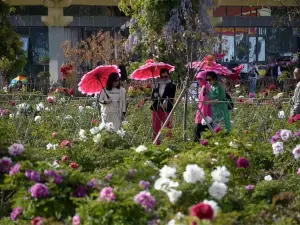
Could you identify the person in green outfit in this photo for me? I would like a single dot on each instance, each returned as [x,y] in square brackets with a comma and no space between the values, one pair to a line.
[217,93]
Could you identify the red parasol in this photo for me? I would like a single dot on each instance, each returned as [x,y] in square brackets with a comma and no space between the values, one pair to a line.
[95,80]
[150,70]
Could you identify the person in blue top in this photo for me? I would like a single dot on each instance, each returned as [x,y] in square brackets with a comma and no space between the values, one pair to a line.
[217,97]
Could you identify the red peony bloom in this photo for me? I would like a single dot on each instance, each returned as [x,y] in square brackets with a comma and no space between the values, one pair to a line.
[202,211]
[74,165]
[64,158]
[242,162]
[65,143]
[50,100]
[71,91]
[272,87]
[37,221]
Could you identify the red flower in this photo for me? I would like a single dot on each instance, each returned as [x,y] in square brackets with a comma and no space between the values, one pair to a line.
[202,211]
[272,87]
[242,163]
[148,86]
[12,103]
[246,132]
[65,143]
[95,121]
[50,100]
[297,117]
[74,165]
[37,221]
[71,91]
[64,158]
[291,120]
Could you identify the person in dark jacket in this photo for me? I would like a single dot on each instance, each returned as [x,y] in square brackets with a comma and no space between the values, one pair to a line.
[163,95]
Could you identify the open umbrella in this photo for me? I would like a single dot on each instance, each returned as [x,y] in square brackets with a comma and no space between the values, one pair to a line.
[150,70]
[14,81]
[94,81]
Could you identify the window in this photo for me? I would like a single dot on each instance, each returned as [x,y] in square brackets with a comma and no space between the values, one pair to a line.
[241,44]
[220,11]
[228,43]
[234,11]
[35,10]
[39,44]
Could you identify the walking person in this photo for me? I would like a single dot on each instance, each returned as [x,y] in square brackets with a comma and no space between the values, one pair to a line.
[217,97]
[295,104]
[203,110]
[163,95]
[113,102]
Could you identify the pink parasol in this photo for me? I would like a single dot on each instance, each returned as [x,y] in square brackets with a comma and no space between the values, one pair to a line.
[150,70]
[95,80]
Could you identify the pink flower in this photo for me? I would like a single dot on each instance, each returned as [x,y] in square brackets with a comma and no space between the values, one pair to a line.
[15,169]
[242,163]
[16,149]
[5,164]
[39,191]
[250,187]
[37,221]
[144,184]
[76,220]
[145,200]
[217,129]
[65,143]
[107,194]
[204,142]
[298,172]
[64,158]
[15,213]
[108,177]
[74,165]
[54,134]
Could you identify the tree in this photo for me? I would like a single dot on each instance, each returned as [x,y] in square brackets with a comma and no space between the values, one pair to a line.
[176,31]
[12,57]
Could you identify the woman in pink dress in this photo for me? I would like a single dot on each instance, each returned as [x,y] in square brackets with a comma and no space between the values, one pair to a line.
[204,110]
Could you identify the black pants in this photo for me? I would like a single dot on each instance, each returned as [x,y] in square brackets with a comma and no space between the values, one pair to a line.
[199,129]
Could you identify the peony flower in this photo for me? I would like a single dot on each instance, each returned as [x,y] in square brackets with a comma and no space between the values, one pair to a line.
[193,174]
[250,187]
[144,184]
[5,164]
[167,172]
[165,184]
[277,148]
[242,162]
[39,191]
[218,190]
[15,169]
[37,221]
[40,107]
[217,129]
[54,134]
[206,210]
[107,194]
[286,134]
[108,177]
[141,148]
[275,138]
[297,134]
[74,165]
[66,143]
[174,195]
[33,175]
[64,158]
[51,146]
[296,152]
[56,177]
[80,108]
[15,213]
[82,136]
[298,172]
[221,174]
[51,99]
[97,138]
[145,200]
[204,142]
[76,220]
[268,178]
[80,192]
[281,115]
[16,149]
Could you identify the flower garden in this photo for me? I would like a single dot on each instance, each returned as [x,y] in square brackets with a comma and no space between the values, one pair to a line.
[60,165]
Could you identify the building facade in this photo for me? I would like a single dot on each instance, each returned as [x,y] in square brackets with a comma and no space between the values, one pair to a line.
[246,33]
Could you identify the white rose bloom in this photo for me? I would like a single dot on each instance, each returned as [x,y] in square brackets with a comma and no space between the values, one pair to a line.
[213,205]
[97,138]
[193,174]
[165,184]
[40,107]
[218,190]
[37,118]
[296,152]
[277,148]
[221,174]
[167,172]
[141,148]
[174,195]
[94,130]
[268,178]
[286,134]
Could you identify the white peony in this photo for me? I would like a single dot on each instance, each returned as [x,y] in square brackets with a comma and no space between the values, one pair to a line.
[277,148]
[218,190]
[286,134]
[167,172]
[97,138]
[141,148]
[82,136]
[281,115]
[174,195]
[94,130]
[221,174]
[165,184]
[40,107]
[37,118]
[296,152]
[193,174]
[80,108]
[268,178]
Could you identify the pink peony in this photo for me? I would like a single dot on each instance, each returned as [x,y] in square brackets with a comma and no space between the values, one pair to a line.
[15,169]
[242,163]
[16,149]
[37,221]
[250,187]
[5,164]
[54,134]
[145,200]
[76,220]
[39,191]
[204,142]
[107,194]
[217,129]
[15,213]
[298,172]
[144,184]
